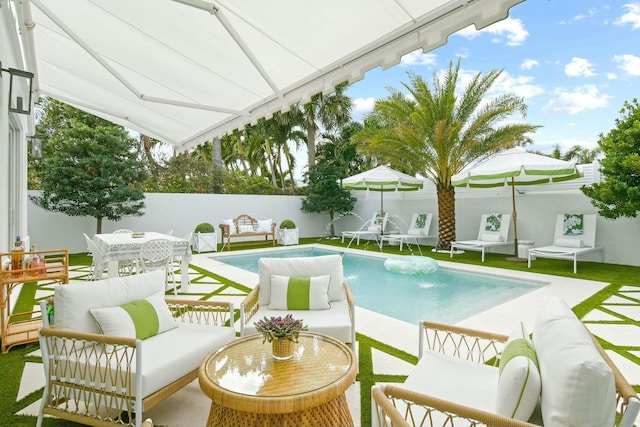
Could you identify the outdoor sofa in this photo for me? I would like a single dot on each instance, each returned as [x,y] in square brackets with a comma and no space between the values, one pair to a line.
[466,377]
[246,226]
[105,366]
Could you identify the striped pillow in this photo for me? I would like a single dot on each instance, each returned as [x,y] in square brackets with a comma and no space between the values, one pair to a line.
[139,319]
[519,385]
[299,293]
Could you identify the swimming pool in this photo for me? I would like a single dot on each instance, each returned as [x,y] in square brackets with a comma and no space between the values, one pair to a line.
[447,295]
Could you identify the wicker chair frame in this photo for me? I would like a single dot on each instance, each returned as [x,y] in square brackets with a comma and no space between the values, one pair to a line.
[91,378]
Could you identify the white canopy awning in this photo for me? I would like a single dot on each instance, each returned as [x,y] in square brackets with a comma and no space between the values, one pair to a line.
[185,71]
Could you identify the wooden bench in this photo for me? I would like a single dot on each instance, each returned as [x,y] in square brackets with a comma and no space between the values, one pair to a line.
[246,226]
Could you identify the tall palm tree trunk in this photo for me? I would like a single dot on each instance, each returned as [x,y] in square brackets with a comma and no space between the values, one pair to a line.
[446,217]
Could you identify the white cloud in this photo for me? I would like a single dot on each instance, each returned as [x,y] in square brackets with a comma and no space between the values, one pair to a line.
[362,107]
[628,63]
[579,67]
[511,29]
[612,76]
[517,85]
[528,64]
[631,17]
[586,97]
[591,12]
[417,57]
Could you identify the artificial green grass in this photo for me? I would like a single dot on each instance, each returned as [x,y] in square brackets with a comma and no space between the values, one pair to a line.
[617,275]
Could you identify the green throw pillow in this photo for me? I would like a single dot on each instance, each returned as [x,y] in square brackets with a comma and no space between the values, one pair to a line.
[138,319]
[299,293]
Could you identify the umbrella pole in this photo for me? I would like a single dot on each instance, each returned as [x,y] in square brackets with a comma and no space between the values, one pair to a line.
[515,218]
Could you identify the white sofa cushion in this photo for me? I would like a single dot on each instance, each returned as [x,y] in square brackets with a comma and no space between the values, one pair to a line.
[301,266]
[139,319]
[457,380]
[232,226]
[299,293]
[189,344]
[519,384]
[334,322]
[73,301]
[264,226]
[578,388]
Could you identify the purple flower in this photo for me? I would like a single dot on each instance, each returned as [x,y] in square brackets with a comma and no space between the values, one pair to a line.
[280,327]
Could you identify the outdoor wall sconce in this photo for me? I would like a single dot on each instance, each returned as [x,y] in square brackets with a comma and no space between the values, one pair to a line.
[20,84]
[36,146]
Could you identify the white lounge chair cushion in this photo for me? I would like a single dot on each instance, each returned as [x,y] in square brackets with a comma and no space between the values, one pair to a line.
[73,301]
[139,319]
[519,385]
[492,237]
[232,226]
[415,231]
[334,322]
[299,293]
[301,266]
[457,380]
[578,388]
[569,243]
[264,226]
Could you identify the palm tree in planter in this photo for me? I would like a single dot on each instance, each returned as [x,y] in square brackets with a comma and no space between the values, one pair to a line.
[205,238]
[287,233]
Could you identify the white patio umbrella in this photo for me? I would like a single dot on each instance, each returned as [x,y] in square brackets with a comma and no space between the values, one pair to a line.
[382,179]
[515,167]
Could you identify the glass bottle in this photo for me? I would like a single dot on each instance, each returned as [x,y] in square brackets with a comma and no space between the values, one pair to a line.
[16,258]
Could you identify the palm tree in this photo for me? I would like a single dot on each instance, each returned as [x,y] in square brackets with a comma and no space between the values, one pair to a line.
[330,111]
[436,132]
[577,153]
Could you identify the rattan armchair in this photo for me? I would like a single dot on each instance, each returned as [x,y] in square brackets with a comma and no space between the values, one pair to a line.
[400,406]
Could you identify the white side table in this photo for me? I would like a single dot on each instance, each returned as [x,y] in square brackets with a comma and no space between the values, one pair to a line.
[287,236]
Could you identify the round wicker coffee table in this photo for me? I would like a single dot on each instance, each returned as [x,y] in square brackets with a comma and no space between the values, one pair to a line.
[248,387]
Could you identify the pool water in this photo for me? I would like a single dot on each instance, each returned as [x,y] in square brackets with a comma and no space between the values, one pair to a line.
[447,295]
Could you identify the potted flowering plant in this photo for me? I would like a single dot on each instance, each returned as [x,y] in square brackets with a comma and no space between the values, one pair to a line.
[282,333]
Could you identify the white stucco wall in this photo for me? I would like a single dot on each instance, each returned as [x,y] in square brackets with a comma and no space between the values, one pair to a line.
[182,212]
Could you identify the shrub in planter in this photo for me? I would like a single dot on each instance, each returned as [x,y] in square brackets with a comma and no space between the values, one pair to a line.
[287,224]
[204,227]
[287,233]
[205,238]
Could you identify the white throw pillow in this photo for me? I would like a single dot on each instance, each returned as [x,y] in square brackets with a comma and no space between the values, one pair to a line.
[299,293]
[245,228]
[569,243]
[232,226]
[578,387]
[491,237]
[139,319]
[264,226]
[519,384]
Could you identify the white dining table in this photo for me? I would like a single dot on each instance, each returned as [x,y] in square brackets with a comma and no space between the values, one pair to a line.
[125,247]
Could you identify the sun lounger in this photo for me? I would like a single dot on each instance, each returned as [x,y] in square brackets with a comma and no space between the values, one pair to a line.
[575,234]
[372,228]
[493,232]
[418,229]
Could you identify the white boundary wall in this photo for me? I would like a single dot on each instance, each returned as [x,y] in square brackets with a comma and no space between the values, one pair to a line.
[537,211]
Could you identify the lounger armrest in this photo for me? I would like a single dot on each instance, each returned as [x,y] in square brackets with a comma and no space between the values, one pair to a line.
[464,343]
[224,229]
[74,364]
[214,313]
[384,410]
[418,403]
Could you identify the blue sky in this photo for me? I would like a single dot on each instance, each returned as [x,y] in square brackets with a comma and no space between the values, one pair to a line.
[575,62]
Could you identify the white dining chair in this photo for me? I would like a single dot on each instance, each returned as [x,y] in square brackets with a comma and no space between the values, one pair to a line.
[157,254]
[96,258]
